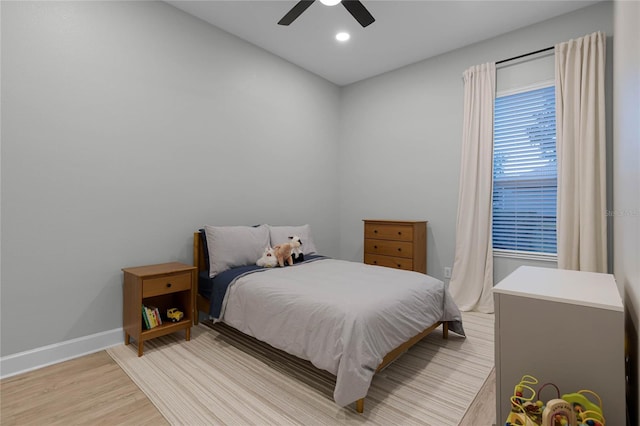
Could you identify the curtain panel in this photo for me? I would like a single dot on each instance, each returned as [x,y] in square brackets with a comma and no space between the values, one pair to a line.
[581,152]
[472,276]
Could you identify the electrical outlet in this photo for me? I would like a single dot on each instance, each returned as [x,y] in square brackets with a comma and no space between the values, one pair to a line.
[447,271]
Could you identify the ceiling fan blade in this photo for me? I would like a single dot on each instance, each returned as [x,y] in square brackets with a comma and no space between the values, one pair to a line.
[295,11]
[359,12]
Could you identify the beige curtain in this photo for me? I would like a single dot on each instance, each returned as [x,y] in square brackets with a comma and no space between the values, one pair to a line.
[581,151]
[472,276]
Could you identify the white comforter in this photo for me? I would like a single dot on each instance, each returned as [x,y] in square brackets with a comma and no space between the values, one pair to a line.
[342,316]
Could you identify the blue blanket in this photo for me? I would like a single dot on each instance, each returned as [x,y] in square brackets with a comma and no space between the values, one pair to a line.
[222,281]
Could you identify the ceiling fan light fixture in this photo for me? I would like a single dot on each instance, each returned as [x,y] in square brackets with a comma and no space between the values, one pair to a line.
[342,36]
[354,7]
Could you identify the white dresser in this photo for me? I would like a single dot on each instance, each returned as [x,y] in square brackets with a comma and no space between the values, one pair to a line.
[564,327]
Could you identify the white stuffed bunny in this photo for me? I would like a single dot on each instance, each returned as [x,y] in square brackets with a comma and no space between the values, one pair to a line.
[268,259]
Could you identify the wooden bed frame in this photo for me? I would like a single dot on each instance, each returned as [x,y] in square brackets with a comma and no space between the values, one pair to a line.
[202,305]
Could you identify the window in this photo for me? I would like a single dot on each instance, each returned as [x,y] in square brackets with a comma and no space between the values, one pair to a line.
[525,173]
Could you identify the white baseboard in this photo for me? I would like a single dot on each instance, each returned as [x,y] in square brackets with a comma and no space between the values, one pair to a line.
[33,359]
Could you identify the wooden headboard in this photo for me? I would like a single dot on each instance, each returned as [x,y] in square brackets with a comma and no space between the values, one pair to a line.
[199,260]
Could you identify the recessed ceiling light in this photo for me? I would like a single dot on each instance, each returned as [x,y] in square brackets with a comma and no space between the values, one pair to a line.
[330,2]
[343,36]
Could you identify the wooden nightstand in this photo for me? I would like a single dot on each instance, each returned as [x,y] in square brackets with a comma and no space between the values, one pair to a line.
[167,285]
[400,244]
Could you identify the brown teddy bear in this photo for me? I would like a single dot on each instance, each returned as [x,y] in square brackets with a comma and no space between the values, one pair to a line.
[284,251]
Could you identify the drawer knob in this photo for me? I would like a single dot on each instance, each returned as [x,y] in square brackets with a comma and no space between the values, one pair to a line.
[399,249]
[399,265]
[375,262]
[375,247]
[375,231]
[168,285]
[399,232]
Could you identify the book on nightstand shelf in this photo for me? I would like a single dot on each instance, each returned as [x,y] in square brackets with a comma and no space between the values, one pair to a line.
[152,320]
[156,315]
[145,319]
[151,317]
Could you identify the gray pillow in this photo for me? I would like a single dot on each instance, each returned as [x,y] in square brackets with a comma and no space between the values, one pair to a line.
[233,246]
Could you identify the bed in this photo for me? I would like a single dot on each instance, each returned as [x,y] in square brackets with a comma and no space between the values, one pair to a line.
[347,318]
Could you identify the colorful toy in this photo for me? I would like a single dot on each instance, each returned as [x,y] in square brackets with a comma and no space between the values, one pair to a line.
[558,412]
[573,409]
[522,404]
[268,259]
[174,314]
[589,413]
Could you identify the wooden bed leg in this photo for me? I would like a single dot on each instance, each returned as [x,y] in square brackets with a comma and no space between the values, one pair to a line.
[360,405]
[445,330]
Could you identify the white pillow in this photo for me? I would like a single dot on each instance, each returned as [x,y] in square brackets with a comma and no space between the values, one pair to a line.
[233,246]
[281,234]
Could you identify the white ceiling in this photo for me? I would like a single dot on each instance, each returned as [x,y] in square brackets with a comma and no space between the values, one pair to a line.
[404,31]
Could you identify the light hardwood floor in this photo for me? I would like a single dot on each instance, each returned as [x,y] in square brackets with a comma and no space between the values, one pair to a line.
[94,390]
[483,408]
[88,390]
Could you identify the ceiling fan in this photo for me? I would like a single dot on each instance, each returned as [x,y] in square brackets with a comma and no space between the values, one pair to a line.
[354,7]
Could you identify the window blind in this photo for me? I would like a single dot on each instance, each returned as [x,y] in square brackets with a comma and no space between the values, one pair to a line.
[525,172]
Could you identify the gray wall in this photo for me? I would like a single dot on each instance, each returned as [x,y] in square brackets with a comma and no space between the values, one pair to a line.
[127,125]
[401,136]
[626,196]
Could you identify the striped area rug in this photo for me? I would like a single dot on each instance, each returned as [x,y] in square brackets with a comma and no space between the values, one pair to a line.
[224,377]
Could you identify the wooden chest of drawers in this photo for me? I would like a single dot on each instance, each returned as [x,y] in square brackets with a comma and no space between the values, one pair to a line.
[396,244]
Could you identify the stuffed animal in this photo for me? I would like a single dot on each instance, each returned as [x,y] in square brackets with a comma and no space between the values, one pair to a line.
[284,251]
[296,249]
[268,259]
